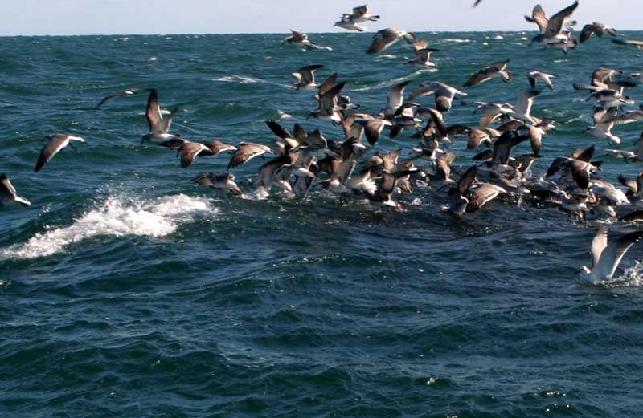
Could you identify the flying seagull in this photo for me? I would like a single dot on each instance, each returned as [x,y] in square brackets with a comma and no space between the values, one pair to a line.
[555,31]
[606,256]
[54,144]
[127,92]
[498,69]
[386,37]
[189,150]
[8,193]
[534,76]
[595,28]
[360,14]
[305,76]
[247,151]
[300,38]
[159,122]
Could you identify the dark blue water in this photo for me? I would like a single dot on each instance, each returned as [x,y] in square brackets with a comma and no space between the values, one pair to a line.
[125,290]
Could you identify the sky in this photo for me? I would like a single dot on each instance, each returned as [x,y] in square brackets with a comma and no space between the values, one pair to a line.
[79,17]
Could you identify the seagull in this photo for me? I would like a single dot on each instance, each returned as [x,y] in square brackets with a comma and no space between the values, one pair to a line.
[245,152]
[476,3]
[127,92]
[189,150]
[55,143]
[395,98]
[159,123]
[372,128]
[551,29]
[8,193]
[606,256]
[300,38]
[386,37]
[480,194]
[457,201]
[348,23]
[522,109]
[498,69]
[328,103]
[604,130]
[218,181]
[423,55]
[444,94]
[305,76]
[545,78]
[360,14]
[595,28]
[636,44]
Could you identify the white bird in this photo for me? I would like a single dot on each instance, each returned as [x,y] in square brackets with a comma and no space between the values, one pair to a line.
[522,109]
[545,78]
[395,98]
[444,94]
[607,256]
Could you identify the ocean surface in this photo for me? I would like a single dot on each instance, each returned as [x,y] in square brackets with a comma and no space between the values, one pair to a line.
[126,290]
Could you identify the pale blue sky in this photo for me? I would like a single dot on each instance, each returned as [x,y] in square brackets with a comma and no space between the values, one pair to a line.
[54,17]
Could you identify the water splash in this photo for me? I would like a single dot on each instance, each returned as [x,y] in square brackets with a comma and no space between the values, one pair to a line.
[115,217]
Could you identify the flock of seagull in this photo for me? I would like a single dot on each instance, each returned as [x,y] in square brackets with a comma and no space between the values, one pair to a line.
[352,168]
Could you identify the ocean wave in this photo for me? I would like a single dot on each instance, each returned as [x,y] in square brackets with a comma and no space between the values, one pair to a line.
[115,217]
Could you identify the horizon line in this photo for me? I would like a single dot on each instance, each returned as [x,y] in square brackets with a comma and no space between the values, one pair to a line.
[33,35]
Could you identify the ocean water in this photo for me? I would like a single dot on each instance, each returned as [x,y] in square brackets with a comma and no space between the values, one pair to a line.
[125,290]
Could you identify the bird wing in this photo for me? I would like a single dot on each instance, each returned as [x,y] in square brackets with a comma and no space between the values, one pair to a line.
[360,11]
[483,193]
[586,33]
[538,17]
[382,40]
[246,152]
[611,256]
[467,179]
[308,73]
[580,173]
[556,21]
[153,112]
[278,130]
[599,243]
[328,84]
[395,96]
[189,150]
[7,188]
[53,146]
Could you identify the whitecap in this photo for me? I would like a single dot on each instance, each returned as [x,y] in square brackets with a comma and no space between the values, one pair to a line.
[283,115]
[456,40]
[241,79]
[115,217]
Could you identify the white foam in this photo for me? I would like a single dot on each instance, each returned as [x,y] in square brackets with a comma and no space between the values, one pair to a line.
[115,217]
[241,79]
[456,40]
[631,276]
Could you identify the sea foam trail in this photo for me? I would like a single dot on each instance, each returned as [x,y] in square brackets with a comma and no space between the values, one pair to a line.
[116,217]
